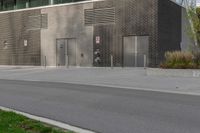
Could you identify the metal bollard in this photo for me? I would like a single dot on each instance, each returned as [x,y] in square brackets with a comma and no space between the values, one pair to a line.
[67,61]
[145,60]
[111,61]
[12,60]
[45,61]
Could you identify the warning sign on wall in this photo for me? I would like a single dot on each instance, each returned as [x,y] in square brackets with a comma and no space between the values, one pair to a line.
[97,39]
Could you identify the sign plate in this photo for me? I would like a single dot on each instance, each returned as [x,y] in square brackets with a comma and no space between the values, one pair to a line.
[98,39]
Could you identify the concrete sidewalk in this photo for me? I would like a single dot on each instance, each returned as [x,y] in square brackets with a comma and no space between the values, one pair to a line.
[127,78]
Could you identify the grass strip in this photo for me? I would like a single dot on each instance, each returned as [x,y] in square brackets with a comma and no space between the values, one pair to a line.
[11,122]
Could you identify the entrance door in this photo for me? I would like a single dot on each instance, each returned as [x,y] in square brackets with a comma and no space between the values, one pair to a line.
[71,52]
[129,51]
[60,48]
[142,51]
[135,51]
[66,52]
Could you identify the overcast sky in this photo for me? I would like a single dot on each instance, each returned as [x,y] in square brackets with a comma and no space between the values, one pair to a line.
[198,2]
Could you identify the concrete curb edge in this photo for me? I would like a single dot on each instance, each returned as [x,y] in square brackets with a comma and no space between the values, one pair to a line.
[48,121]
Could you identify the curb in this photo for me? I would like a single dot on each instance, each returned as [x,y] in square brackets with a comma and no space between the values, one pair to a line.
[179,92]
[185,73]
[48,121]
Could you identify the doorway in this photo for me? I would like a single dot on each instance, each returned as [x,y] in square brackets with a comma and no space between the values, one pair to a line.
[135,51]
[66,52]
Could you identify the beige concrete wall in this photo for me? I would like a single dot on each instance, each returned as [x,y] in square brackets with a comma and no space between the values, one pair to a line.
[67,22]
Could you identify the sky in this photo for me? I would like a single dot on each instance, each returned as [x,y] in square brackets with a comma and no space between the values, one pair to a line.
[198,2]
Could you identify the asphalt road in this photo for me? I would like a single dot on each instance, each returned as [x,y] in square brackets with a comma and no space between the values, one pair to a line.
[104,110]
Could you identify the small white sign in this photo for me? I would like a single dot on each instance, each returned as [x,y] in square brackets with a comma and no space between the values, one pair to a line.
[25,43]
[98,39]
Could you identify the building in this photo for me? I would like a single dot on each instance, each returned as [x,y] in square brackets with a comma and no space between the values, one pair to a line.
[122,33]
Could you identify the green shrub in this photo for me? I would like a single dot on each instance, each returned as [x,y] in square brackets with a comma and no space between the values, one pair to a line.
[197,58]
[181,60]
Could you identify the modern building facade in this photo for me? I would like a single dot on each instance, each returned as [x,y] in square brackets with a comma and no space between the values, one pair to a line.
[122,33]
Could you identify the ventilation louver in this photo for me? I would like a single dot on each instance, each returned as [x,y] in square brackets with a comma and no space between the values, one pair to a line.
[99,16]
[37,22]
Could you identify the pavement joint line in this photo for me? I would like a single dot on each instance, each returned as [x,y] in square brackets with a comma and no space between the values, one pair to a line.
[23,73]
[120,87]
[26,69]
[48,121]
[20,69]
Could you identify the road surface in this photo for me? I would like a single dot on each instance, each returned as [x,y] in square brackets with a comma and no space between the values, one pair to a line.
[104,109]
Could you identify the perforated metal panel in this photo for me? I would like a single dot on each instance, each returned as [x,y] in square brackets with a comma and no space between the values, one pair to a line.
[169,28]
[132,17]
[139,18]
[13,34]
